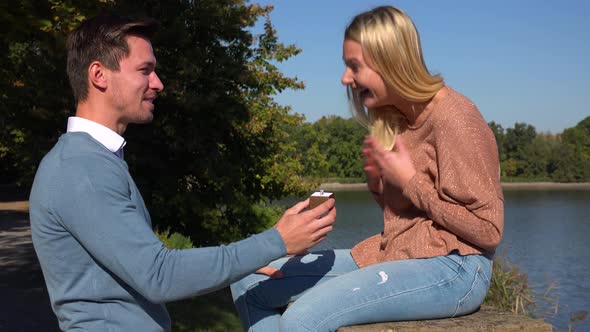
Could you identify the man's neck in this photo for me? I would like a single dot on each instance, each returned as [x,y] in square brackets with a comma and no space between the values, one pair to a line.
[94,111]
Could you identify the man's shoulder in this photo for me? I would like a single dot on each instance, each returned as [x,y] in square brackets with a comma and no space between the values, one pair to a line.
[77,154]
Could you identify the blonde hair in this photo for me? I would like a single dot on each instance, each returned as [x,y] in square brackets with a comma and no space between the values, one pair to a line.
[391,45]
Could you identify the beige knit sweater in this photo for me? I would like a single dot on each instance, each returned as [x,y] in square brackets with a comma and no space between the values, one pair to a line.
[457,201]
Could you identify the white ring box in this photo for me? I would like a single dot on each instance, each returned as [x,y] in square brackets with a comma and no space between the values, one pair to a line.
[318,198]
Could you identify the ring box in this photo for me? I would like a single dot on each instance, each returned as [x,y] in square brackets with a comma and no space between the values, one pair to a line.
[318,198]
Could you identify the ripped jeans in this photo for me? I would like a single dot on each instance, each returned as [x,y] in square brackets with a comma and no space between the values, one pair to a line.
[328,291]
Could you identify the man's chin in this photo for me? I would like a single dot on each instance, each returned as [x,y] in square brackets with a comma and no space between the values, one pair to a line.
[146,117]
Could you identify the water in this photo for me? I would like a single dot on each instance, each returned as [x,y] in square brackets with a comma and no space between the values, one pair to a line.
[546,234]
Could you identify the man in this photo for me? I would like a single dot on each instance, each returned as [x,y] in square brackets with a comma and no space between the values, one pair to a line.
[105,269]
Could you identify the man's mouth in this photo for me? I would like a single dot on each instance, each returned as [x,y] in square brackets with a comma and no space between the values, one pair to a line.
[150,99]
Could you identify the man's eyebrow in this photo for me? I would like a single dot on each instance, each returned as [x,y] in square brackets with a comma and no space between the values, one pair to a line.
[148,63]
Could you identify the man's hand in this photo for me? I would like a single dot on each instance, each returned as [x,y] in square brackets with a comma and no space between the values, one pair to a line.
[303,230]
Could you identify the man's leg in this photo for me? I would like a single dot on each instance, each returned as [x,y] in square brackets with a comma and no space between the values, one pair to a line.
[259,299]
[412,289]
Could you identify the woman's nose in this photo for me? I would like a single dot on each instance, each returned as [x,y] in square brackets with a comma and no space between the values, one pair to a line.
[346,78]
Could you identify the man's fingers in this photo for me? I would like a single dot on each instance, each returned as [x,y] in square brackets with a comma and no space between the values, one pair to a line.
[326,220]
[319,240]
[322,232]
[295,209]
[320,210]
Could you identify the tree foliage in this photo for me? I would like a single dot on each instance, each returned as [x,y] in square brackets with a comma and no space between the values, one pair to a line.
[218,151]
[531,156]
[330,148]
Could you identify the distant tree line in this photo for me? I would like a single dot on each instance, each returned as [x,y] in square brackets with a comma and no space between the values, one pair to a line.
[330,149]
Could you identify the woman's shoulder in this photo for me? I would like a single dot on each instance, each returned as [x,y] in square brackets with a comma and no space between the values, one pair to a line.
[455,102]
[457,111]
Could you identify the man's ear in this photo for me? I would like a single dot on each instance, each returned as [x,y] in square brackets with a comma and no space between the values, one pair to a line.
[98,76]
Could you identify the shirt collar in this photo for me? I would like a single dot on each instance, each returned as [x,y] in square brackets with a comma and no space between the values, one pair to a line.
[105,136]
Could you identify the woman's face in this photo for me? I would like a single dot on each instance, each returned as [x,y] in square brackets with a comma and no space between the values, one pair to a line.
[369,85]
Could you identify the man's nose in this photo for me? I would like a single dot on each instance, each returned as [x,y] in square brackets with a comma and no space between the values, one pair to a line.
[155,83]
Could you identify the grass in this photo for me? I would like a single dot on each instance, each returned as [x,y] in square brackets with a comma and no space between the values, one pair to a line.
[211,312]
[510,291]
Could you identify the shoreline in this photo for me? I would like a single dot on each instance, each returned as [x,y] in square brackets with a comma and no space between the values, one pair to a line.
[336,186]
[22,205]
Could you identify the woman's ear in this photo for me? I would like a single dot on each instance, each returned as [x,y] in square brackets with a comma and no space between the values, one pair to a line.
[97,75]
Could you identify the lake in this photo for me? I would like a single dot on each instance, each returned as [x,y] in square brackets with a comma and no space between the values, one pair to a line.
[546,234]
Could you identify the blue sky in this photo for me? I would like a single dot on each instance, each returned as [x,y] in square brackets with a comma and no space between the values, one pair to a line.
[519,61]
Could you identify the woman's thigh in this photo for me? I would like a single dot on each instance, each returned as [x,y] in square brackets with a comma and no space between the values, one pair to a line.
[413,289]
[300,274]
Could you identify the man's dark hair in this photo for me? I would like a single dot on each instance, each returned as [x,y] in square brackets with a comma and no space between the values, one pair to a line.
[102,38]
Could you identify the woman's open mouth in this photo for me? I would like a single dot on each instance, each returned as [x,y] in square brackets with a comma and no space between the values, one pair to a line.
[365,93]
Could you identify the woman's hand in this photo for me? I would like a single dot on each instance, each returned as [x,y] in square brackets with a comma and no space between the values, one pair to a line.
[270,271]
[372,169]
[396,166]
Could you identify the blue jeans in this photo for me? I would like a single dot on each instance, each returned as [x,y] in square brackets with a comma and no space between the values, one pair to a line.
[328,291]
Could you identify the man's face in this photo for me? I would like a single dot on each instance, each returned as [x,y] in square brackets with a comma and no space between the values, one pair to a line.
[134,87]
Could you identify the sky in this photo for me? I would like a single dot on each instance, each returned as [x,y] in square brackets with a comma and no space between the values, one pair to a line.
[518,61]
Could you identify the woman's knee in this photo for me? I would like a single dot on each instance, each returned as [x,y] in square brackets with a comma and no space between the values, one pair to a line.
[291,321]
[241,287]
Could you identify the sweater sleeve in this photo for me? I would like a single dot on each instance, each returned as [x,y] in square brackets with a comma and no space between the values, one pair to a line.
[465,197]
[97,209]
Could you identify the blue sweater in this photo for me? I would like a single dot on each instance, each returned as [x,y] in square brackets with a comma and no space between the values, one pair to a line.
[105,269]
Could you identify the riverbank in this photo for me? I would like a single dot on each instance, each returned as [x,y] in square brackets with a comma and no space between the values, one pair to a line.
[335,186]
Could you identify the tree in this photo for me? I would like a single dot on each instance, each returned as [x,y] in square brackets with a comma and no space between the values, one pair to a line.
[500,138]
[517,139]
[330,147]
[572,161]
[537,154]
[217,153]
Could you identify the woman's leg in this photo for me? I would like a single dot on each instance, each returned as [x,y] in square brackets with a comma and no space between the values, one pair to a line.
[259,299]
[413,289]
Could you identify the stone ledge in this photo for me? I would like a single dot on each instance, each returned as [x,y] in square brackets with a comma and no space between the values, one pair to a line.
[487,319]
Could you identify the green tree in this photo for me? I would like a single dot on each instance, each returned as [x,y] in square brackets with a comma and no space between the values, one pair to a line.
[537,157]
[311,145]
[345,138]
[517,139]
[500,138]
[571,163]
[33,104]
[514,147]
[217,153]
[330,147]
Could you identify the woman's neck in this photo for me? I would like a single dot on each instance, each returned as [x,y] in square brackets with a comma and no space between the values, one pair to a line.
[415,112]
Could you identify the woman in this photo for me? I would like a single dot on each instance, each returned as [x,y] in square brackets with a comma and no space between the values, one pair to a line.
[432,165]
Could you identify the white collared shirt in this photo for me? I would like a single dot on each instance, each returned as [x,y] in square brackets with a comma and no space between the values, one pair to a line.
[105,136]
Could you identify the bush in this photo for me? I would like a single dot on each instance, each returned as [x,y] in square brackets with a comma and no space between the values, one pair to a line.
[174,240]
